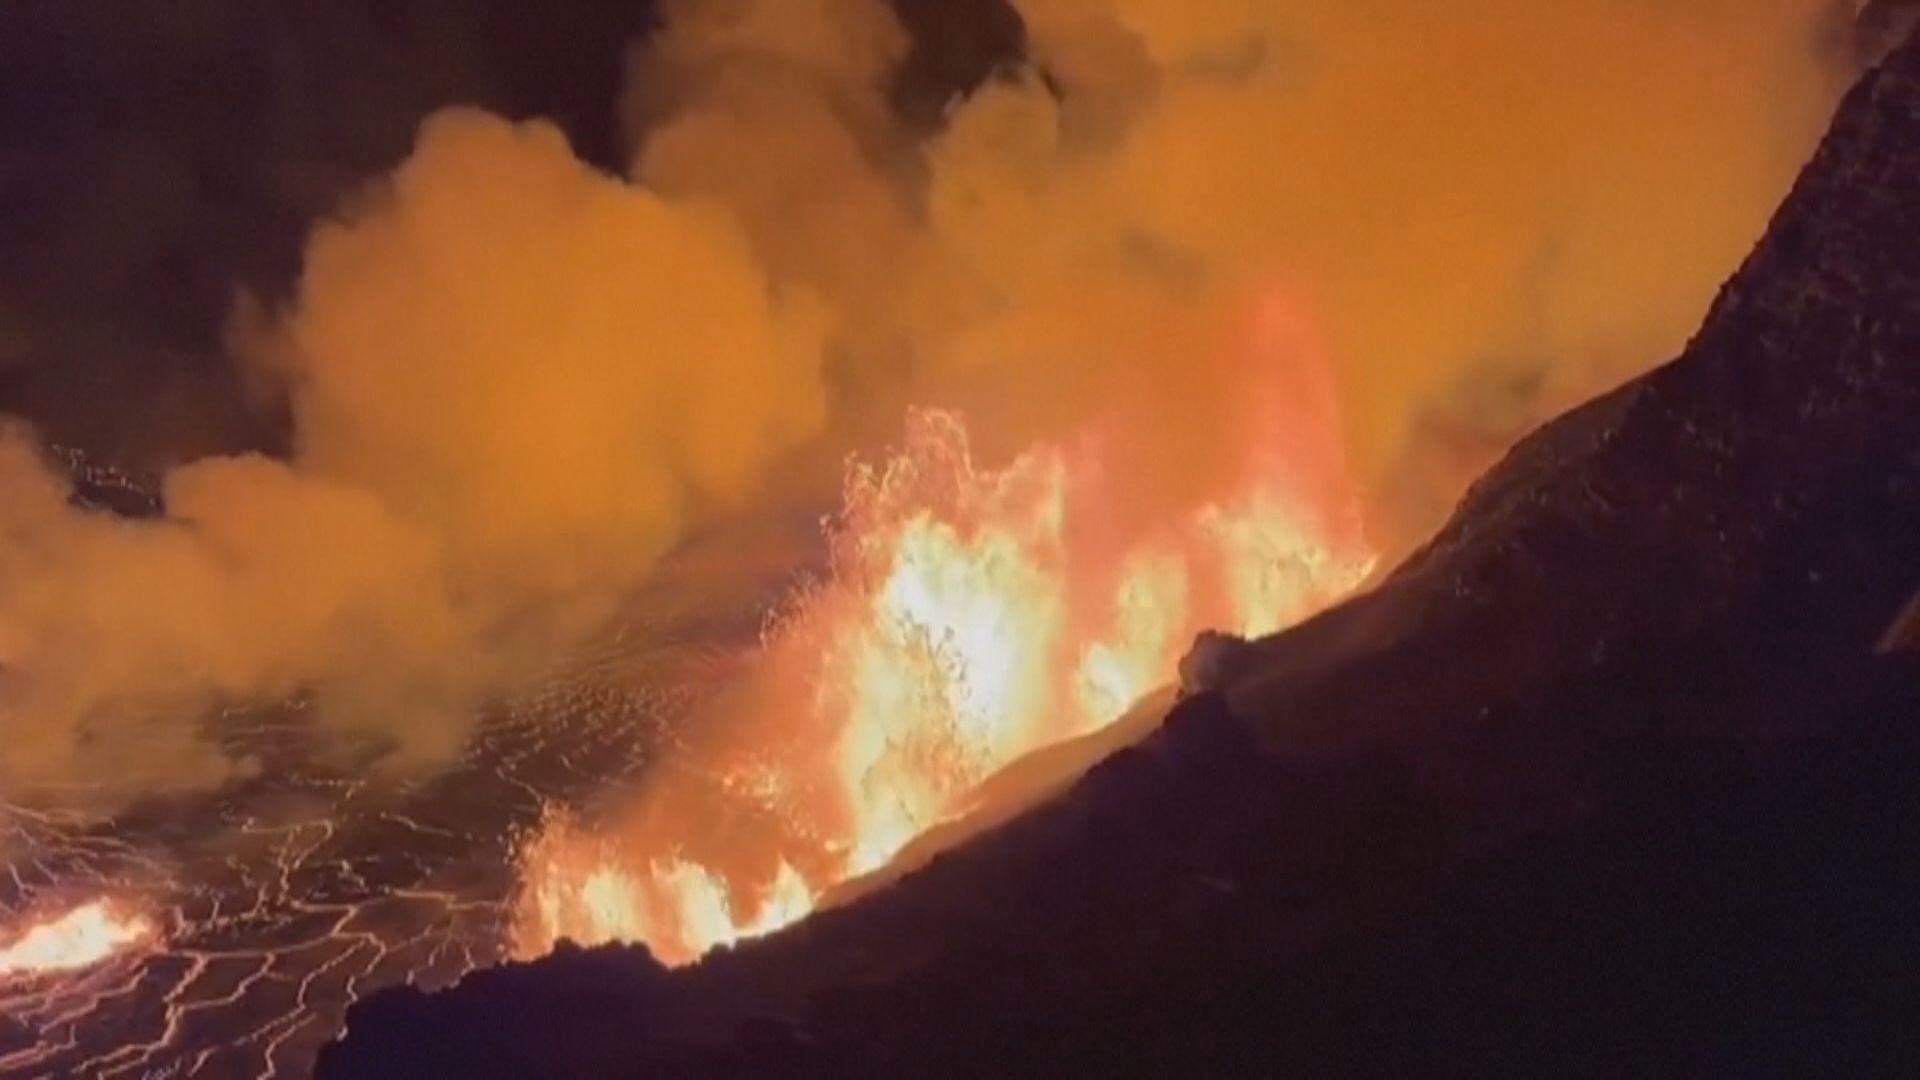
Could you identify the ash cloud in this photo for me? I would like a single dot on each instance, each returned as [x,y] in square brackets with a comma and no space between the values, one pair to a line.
[513,380]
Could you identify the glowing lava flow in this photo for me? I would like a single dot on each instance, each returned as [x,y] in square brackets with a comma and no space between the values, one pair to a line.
[967,622]
[87,935]
[682,909]
[969,616]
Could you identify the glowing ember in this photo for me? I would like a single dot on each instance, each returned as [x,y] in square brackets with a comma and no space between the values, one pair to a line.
[81,938]
[972,616]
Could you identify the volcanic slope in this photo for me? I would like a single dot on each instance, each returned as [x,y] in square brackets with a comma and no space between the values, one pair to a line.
[1613,777]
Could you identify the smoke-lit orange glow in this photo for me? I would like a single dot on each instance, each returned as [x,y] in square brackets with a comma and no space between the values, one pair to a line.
[971,616]
[516,380]
[80,938]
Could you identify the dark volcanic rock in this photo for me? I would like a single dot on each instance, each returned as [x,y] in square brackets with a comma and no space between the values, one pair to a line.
[107,488]
[1881,27]
[1214,660]
[1606,780]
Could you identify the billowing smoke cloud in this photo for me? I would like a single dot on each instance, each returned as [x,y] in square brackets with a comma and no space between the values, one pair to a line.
[551,371]
[1486,210]
[1489,208]
[517,380]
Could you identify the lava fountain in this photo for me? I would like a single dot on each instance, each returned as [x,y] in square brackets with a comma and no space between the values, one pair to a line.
[970,616]
[80,938]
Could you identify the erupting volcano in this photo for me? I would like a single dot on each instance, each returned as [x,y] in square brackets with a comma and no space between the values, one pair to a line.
[879,490]
[970,615]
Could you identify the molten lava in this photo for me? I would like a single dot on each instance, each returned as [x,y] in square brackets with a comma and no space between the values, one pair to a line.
[80,938]
[971,616]
[679,908]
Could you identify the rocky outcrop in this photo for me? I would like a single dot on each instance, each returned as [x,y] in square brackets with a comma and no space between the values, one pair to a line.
[1607,779]
[1882,26]
[1214,659]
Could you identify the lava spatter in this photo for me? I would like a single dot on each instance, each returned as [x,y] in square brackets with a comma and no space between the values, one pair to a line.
[92,933]
[971,616]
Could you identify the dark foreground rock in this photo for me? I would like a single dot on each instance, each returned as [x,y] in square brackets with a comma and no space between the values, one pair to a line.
[1610,779]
